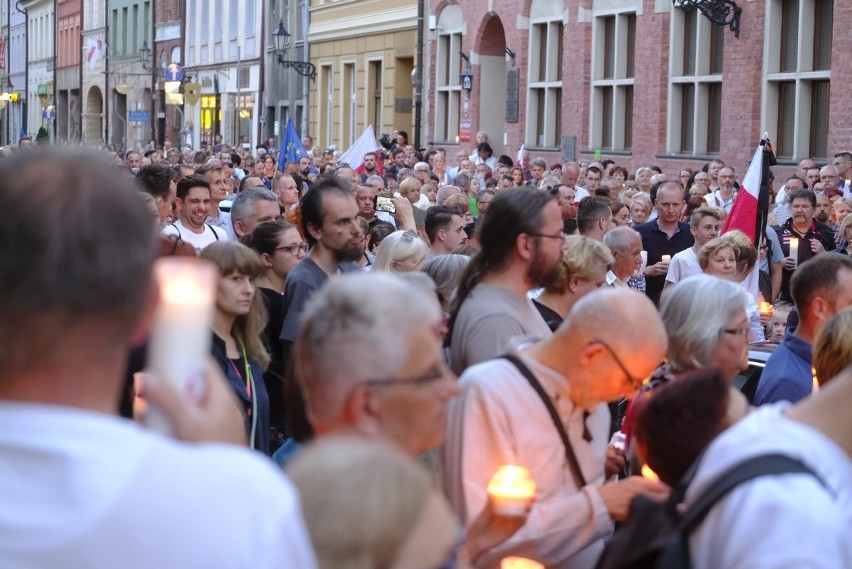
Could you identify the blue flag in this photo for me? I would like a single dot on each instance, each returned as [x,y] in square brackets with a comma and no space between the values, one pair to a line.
[22,134]
[291,147]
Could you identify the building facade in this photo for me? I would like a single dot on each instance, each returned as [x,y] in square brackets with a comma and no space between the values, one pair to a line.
[95,118]
[69,15]
[17,67]
[285,91]
[40,66]
[223,47]
[364,52]
[168,49]
[640,81]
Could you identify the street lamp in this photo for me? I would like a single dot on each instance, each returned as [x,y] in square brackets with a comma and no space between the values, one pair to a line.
[144,55]
[720,12]
[282,45]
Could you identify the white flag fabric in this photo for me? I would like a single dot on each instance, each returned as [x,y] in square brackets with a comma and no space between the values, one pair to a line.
[95,49]
[365,144]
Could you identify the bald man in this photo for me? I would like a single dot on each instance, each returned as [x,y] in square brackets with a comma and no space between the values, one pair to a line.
[500,419]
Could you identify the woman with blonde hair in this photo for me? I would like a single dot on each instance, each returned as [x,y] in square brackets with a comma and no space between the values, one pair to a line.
[238,324]
[640,209]
[582,269]
[833,347]
[401,252]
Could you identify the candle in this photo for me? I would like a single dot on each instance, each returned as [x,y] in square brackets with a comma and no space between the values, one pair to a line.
[179,344]
[764,308]
[519,563]
[512,490]
[649,474]
[794,250]
[666,259]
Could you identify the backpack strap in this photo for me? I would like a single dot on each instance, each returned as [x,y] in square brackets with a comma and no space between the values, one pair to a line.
[676,554]
[179,236]
[216,235]
[573,463]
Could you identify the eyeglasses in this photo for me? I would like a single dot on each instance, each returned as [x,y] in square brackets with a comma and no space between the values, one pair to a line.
[741,331]
[561,235]
[425,379]
[634,382]
[294,249]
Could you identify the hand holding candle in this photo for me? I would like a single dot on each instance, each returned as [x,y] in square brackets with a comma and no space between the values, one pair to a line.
[512,490]
[181,334]
[666,259]
[794,251]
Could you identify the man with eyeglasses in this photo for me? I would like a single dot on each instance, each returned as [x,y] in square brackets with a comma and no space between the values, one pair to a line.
[725,195]
[820,288]
[830,178]
[501,418]
[843,163]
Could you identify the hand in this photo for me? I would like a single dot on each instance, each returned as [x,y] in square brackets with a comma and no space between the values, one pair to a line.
[615,461]
[214,417]
[789,263]
[404,215]
[816,246]
[657,270]
[617,496]
[489,530]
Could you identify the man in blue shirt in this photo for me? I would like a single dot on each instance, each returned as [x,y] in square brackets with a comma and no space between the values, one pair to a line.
[820,288]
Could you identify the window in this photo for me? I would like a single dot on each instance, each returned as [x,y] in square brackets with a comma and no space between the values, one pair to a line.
[218,15]
[190,31]
[349,100]
[544,113]
[695,93]
[325,104]
[233,21]
[374,94]
[448,71]
[798,75]
[614,37]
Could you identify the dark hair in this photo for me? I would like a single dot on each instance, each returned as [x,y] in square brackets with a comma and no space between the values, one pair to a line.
[264,238]
[676,421]
[484,146]
[84,225]
[511,213]
[378,234]
[593,169]
[817,276]
[244,185]
[845,155]
[403,134]
[186,184]
[621,169]
[313,208]
[505,161]
[590,210]
[155,180]
[803,195]
[438,217]
[397,150]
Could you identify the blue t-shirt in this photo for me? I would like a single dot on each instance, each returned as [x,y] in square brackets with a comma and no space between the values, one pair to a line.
[787,375]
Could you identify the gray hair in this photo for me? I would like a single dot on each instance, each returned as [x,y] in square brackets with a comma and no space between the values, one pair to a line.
[445,192]
[243,206]
[694,312]
[349,317]
[403,172]
[619,238]
[398,246]
[461,179]
[446,271]
[644,170]
[375,178]
[549,182]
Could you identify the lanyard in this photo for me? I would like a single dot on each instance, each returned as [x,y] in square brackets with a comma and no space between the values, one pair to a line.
[247,377]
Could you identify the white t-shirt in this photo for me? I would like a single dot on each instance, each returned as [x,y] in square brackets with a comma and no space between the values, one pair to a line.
[210,235]
[682,266]
[83,489]
[773,522]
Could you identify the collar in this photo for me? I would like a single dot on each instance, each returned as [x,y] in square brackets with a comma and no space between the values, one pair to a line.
[612,280]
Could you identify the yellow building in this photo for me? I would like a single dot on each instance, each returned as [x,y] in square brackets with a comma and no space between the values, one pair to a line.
[364,52]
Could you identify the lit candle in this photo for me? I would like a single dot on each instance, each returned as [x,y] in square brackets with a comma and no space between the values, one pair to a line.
[649,474]
[457,139]
[764,308]
[512,490]
[794,250]
[666,259]
[179,344]
[519,563]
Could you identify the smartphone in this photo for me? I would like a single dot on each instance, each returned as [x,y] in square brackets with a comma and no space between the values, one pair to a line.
[385,204]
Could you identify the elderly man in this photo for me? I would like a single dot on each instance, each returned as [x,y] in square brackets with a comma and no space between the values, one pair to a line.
[666,235]
[830,178]
[812,237]
[66,453]
[502,419]
[400,393]
[253,207]
[522,245]
[725,195]
[626,247]
[820,289]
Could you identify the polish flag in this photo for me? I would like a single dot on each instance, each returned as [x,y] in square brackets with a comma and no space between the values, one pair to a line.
[365,144]
[745,212]
[95,49]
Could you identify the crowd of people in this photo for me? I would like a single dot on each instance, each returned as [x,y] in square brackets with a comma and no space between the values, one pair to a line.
[385,337]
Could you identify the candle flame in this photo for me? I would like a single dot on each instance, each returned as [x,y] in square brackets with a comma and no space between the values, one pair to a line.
[519,563]
[512,481]
[649,474]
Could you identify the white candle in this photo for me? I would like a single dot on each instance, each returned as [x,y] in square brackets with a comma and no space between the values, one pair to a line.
[519,563]
[666,259]
[179,344]
[512,490]
[794,250]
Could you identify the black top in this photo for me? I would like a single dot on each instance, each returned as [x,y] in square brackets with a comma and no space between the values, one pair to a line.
[273,377]
[551,317]
[786,231]
[657,243]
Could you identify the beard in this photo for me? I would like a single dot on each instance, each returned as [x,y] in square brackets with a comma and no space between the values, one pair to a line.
[822,217]
[349,253]
[542,272]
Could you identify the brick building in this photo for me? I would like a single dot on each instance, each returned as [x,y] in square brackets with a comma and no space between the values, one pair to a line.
[640,80]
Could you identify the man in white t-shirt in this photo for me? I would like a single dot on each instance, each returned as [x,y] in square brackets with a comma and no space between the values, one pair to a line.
[725,195]
[83,487]
[790,520]
[704,224]
[193,197]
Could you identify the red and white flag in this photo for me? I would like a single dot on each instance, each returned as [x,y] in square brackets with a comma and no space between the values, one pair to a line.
[95,49]
[744,213]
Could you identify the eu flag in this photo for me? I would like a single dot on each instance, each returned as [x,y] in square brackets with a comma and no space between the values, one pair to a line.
[291,147]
